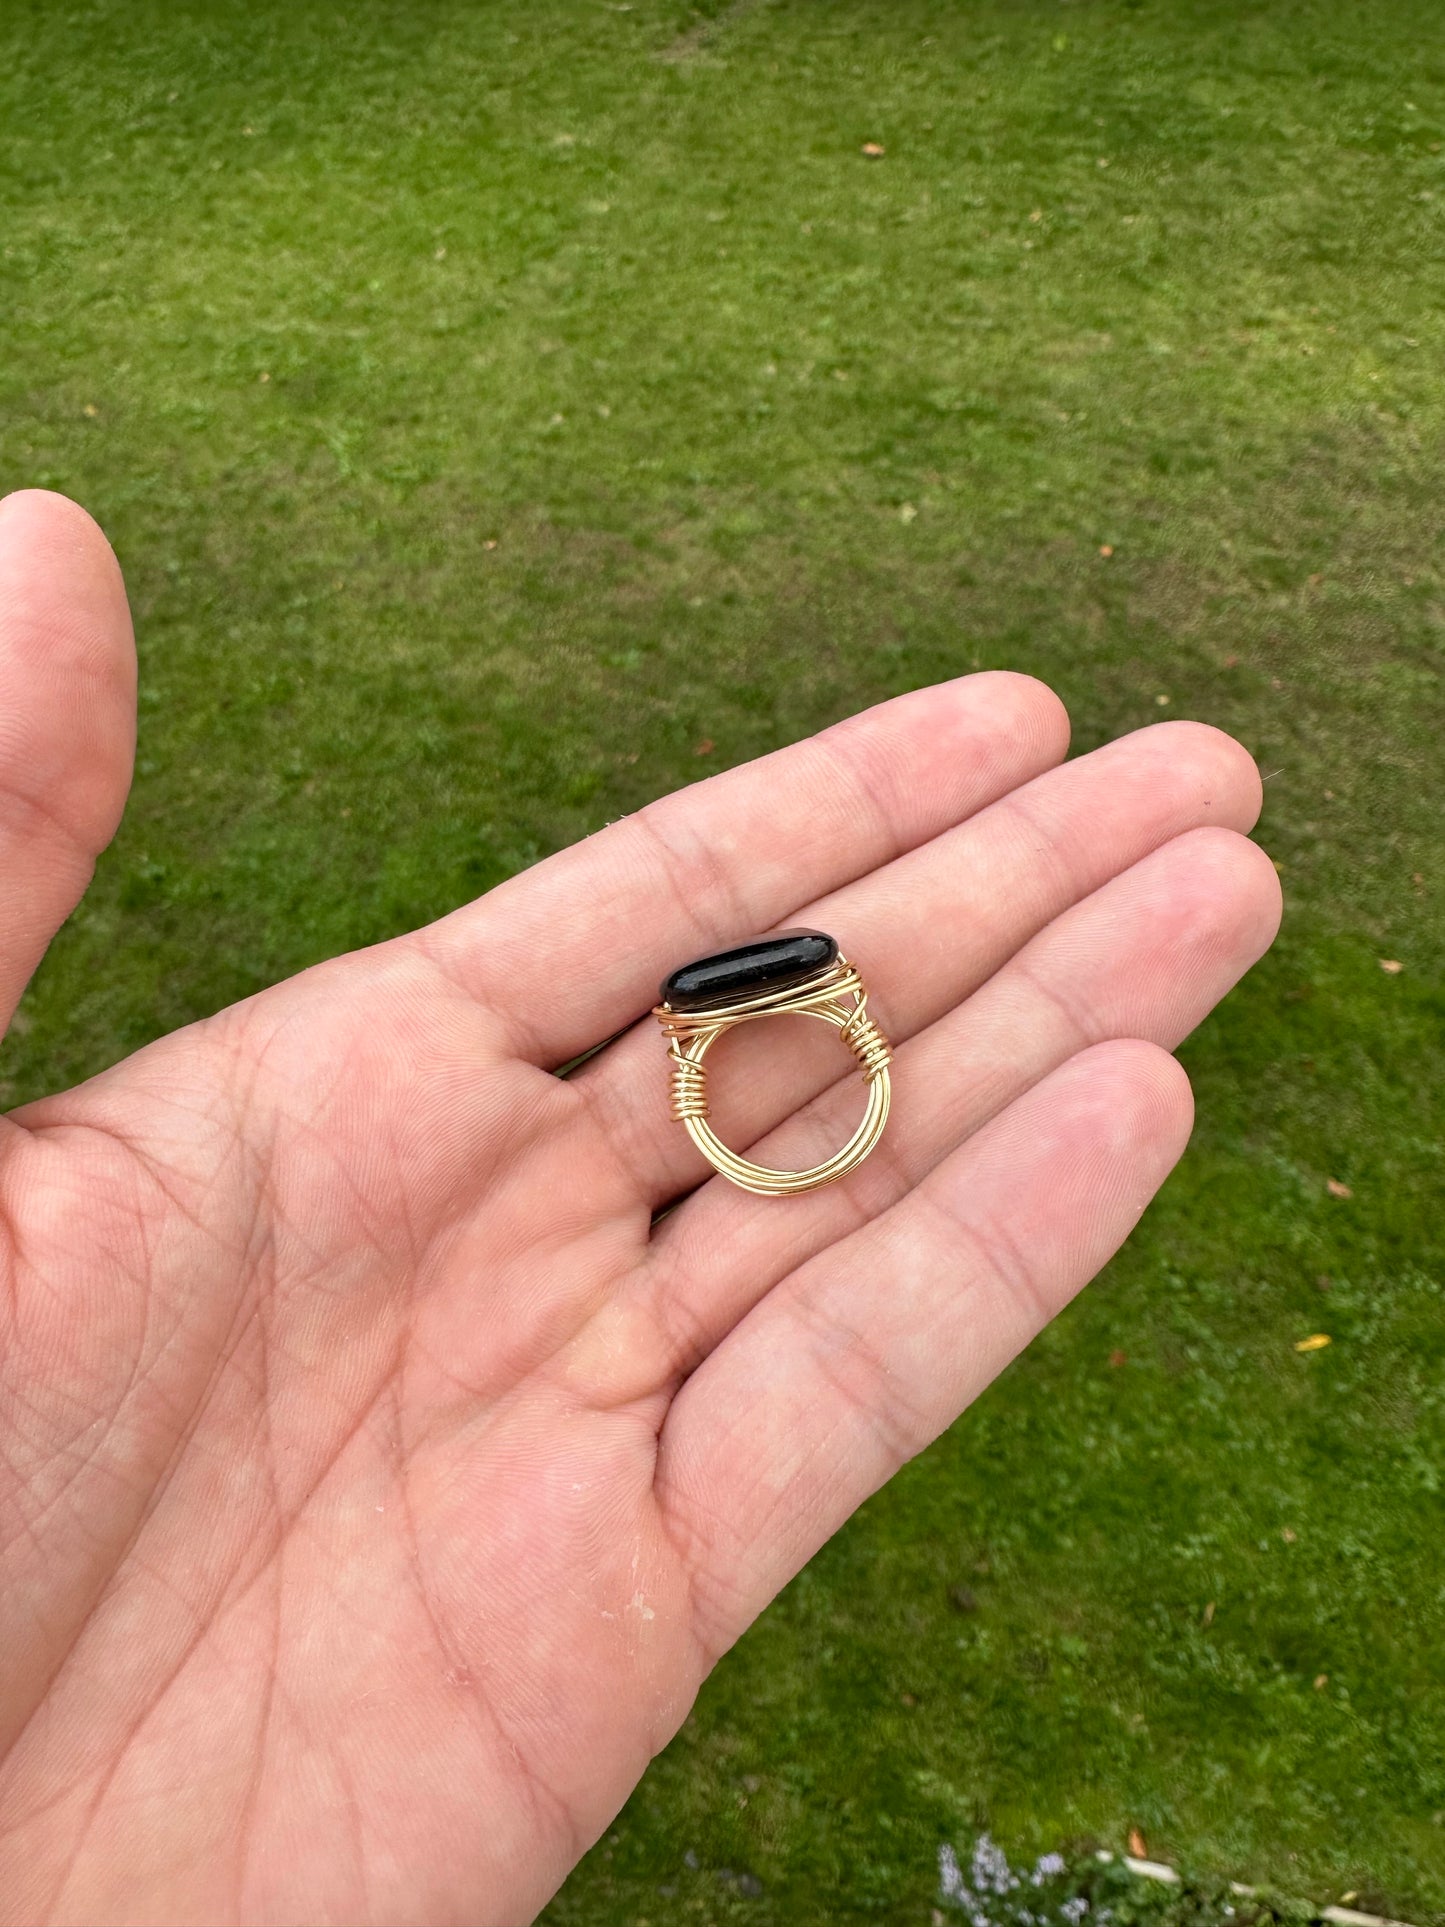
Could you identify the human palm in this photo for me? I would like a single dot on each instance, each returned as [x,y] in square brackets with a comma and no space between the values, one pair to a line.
[380,1474]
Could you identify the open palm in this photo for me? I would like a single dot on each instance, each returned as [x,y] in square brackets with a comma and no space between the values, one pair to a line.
[379,1476]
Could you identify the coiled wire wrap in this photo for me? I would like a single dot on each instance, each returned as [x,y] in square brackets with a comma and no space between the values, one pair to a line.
[836,996]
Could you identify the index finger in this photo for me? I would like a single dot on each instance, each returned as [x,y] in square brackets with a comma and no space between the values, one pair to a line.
[573,950]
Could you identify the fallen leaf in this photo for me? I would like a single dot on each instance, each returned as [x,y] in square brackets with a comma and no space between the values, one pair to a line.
[705,747]
[1117,1358]
[1289,1535]
[1322,1680]
[1338,1190]
[963,1599]
[1138,1845]
[1231,662]
[1163,701]
[907,513]
[1207,1617]
[490,543]
[1391,966]
[875,150]
[1106,549]
[1316,1342]
[1345,1899]
[1037,215]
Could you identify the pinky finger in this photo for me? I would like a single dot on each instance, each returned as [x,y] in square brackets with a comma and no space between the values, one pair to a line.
[863,1356]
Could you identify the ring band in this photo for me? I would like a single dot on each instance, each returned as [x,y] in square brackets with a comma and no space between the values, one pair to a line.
[798,972]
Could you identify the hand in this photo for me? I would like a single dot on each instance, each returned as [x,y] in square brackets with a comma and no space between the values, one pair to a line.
[377,1481]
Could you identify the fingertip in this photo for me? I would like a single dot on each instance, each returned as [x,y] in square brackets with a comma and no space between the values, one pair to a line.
[1034,712]
[67,708]
[1222,768]
[1268,891]
[977,737]
[1142,1117]
[50,503]
[62,596]
[54,521]
[1217,886]
[1106,1127]
[1247,874]
[1136,1102]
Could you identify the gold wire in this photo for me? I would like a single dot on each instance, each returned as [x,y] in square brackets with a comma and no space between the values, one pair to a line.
[836,996]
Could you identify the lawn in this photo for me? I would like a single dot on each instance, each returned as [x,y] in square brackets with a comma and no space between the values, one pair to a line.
[507,412]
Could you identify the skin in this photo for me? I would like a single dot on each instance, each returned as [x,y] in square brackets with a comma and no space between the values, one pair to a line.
[378,1479]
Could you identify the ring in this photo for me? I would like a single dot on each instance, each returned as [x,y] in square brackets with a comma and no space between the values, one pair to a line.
[800,972]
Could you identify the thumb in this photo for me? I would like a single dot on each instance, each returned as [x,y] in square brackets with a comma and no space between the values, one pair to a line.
[67,720]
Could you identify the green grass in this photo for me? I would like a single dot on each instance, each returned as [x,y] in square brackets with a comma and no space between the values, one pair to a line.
[506,412]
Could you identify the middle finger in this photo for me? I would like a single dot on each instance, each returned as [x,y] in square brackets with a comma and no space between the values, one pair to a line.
[927,929]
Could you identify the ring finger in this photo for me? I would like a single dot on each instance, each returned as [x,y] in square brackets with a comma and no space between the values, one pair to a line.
[1147,956]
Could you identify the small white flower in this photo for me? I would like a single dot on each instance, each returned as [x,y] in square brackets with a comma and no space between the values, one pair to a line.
[991,1871]
[950,1874]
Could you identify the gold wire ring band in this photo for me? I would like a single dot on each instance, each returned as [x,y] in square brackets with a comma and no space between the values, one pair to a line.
[836,995]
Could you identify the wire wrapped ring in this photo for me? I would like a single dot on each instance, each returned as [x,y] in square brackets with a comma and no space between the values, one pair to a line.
[799,972]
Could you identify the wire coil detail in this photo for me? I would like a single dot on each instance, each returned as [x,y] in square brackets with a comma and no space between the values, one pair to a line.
[835,996]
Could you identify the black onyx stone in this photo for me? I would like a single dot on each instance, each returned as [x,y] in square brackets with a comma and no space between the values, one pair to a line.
[767,963]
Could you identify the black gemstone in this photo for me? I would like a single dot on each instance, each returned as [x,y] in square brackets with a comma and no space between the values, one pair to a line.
[767,963]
